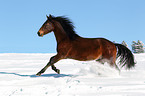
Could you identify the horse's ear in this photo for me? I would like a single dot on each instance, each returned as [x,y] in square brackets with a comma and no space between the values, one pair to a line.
[50,16]
[47,17]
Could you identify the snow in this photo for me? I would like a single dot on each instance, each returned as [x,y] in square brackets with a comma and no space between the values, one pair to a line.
[77,78]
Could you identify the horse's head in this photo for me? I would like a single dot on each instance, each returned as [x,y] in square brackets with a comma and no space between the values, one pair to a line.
[47,27]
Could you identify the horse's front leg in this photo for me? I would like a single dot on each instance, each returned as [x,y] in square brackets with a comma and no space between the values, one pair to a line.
[55,69]
[53,60]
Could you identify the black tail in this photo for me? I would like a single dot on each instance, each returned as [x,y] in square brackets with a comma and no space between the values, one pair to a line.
[126,56]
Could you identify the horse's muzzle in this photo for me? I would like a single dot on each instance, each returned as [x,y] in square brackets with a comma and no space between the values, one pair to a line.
[39,33]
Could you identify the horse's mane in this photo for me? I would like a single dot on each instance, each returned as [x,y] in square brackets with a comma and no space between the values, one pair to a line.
[67,26]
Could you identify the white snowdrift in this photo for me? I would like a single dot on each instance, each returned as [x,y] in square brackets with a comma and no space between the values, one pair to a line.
[77,78]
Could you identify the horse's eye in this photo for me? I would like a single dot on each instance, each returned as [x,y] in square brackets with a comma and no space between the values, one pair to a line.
[47,26]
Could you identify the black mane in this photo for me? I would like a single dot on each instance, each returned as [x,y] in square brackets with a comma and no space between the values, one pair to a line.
[67,26]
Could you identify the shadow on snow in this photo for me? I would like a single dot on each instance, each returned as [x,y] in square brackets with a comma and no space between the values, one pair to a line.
[43,75]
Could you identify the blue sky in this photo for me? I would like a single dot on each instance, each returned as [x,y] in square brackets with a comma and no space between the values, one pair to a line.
[116,20]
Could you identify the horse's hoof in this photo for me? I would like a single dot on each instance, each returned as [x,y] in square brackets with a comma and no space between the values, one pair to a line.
[38,74]
[58,71]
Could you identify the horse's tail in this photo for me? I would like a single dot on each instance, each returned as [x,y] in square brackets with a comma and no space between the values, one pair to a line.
[126,56]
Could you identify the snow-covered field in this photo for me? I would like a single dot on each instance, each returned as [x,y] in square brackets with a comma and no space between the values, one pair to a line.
[77,78]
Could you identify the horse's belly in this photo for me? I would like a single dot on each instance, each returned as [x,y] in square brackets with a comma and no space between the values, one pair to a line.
[84,55]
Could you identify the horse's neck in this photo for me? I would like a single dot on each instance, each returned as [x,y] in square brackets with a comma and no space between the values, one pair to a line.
[59,33]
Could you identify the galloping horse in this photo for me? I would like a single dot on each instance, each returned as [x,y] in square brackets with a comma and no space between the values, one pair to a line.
[72,46]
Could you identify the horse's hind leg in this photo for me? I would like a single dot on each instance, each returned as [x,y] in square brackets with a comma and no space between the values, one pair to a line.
[53,60]
[117,68]
[113,63]
[100,61]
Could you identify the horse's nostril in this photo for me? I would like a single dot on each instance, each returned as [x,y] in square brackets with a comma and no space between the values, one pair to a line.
[38,33]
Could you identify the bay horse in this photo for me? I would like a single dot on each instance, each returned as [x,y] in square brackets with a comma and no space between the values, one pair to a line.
[71,45]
